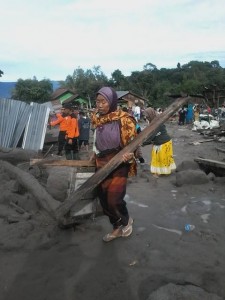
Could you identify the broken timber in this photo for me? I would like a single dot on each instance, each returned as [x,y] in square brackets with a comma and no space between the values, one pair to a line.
[201,141]
[220,150]
[66,163]
[100,175]
[218,167]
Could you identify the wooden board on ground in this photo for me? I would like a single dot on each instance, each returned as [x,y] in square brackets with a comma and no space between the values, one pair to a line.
[201,141]
[220,150]
[65,163]
[214,166]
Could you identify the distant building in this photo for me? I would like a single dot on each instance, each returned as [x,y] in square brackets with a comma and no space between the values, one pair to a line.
[129,99]
[63,95]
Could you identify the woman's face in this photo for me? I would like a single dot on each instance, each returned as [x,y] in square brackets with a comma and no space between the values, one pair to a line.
[102,105]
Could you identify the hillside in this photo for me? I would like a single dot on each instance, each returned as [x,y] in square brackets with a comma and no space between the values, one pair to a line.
[7,87]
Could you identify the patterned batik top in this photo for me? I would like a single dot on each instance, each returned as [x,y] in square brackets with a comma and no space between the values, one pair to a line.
[127,129]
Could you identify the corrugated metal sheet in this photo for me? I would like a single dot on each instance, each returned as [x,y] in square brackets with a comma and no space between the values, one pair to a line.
[36,127]
[19,120]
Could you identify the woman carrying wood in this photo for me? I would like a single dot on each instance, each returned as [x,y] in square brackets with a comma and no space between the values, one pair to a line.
[114,130]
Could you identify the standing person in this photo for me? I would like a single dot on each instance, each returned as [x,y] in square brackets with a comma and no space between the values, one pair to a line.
[223,111]
[162,162]
[137,112]
[114,130]
[189,114]
[72,134]
[84,130]
[62,120]
[197,113]
[139,154]
[182,115]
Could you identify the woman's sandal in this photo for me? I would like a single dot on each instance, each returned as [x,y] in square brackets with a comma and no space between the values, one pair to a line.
[122,231]
[113,235]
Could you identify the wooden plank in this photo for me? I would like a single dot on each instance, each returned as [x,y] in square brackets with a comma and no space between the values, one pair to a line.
[65,163]
[220,150]
[210,162]
[101,174]
[201,141]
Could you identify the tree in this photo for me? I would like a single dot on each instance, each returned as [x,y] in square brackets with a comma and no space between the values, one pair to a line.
[149,67]
[118,80]
[151,83]
[142,82]
[32,90]
[86,83]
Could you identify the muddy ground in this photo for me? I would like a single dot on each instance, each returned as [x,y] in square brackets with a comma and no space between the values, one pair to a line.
[159,261]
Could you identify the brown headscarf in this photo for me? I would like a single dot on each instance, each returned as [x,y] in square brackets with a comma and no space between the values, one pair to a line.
[150,114]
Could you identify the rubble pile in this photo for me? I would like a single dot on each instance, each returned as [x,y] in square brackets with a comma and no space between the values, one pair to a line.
[22,211]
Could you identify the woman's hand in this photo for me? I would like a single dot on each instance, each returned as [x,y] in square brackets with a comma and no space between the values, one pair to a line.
[127,156]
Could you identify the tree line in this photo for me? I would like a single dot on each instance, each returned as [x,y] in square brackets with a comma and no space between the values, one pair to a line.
[157,86]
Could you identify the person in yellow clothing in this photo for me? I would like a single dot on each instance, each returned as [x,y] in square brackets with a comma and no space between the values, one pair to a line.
[72,134]
[197,113]
[62,121]
[162,162]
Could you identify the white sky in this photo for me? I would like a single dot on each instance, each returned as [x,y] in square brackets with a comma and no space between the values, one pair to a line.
[51,38]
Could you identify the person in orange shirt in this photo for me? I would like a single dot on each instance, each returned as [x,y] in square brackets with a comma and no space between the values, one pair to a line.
[72,134]
[62,121]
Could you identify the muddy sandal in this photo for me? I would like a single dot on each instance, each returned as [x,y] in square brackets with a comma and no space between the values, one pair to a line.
[113,235]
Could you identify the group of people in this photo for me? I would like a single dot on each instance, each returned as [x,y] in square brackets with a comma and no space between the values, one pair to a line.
[114,130]
[191,113]
[74,130]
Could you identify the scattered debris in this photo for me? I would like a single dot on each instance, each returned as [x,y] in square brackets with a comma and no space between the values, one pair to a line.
[179,232]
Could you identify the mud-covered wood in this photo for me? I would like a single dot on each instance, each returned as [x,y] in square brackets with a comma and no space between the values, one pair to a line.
[220,150]
[31,184]
[210,162]
[65,163]
[101,174]
[201,141]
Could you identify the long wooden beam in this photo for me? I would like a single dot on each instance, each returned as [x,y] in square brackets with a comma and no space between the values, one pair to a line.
[66,163]
[210,162]
[101,174]
[220,150]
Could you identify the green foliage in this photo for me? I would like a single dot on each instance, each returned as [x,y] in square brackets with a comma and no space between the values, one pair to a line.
[156,86]
[32,90]
[86,83]
[118,80]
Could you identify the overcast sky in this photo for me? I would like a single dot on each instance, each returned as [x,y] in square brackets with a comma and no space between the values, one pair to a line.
[51,38]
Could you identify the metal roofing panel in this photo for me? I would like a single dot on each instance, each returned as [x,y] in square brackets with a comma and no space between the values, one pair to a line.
[121,93]
[36,128]
[13,118]
[20,120]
